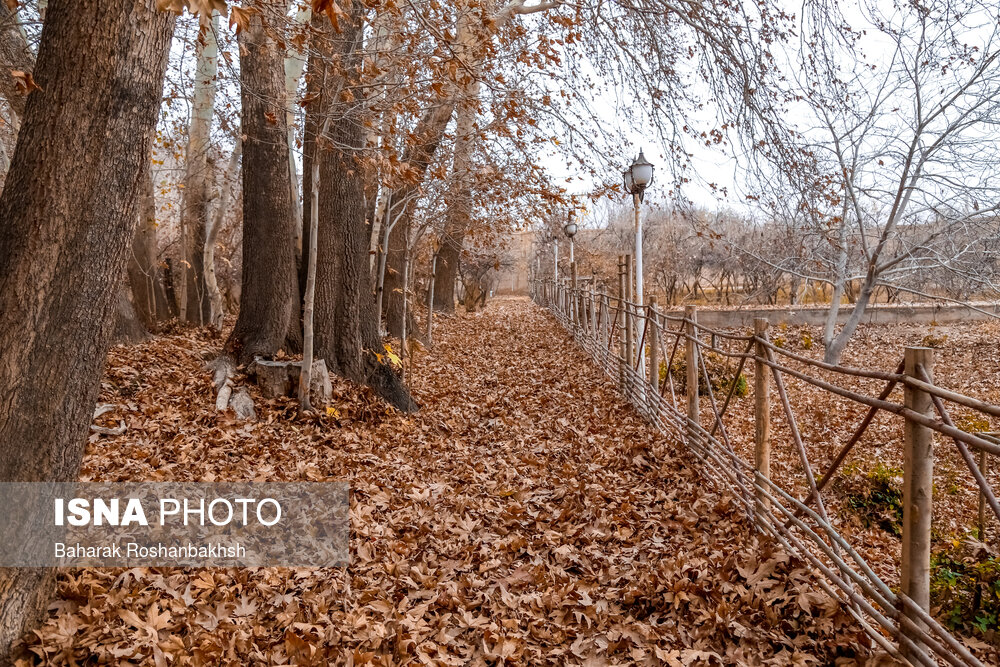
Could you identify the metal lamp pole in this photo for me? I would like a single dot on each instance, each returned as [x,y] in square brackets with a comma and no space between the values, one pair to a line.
[638,255]
[637,178]
[555,260]
[570,230]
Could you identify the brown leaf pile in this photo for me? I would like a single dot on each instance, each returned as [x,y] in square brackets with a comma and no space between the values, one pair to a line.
[525,516]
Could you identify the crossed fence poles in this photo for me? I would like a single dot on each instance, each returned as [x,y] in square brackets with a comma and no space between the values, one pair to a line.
[623,337]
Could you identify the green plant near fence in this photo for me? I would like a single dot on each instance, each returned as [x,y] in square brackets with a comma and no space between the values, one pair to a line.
[719,372]
[875,497]
[965,588]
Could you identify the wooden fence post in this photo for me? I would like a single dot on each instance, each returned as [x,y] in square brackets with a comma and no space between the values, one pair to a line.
[574,314]
[761,414]
[593,309]
[629,323]
[653,336]
[691,359]
[606,320]
[621,316]
[918,480]
[602,314]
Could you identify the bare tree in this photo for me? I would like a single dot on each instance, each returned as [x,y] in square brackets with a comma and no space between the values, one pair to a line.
[895,163]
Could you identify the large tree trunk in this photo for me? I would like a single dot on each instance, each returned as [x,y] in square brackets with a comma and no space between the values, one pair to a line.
[470,49]
[69,212]
[144,273]
[195,305]
[129,329]
[346,328]
[403,201]
[270,288]
[459,214]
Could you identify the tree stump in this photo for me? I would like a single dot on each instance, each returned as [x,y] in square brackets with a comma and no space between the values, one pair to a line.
[281,378]
[272,377]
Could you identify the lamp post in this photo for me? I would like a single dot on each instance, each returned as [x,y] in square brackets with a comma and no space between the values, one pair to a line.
[637,178]
[555,260]
[570,229]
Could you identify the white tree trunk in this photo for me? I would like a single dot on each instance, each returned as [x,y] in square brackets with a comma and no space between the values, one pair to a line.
[295,62]
[309,301]
[840,277]
[212,232]
[194,216]
[836,348]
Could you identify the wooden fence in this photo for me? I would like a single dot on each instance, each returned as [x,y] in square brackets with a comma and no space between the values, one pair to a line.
[632,342]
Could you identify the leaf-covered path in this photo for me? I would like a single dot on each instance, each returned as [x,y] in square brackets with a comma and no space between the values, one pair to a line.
[525,515]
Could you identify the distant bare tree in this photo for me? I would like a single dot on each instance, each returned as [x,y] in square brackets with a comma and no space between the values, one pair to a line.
[893,180]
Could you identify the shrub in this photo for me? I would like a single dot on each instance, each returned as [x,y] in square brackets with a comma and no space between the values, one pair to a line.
[930,340]
[807,341]
[877,497]
[972,423]
[719,372]
[965,588]
[742,387]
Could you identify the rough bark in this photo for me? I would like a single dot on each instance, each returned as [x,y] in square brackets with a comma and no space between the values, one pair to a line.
[195,306]
[459,214]
[269,289]
[144,273]
[346,328]
[427,137]
[69,213]
[129,329]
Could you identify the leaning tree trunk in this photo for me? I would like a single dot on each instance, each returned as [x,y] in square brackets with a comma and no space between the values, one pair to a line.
[270,287]
[196,306]
[69,212]
[346,328]
[428,135]
[835,349]
[459,213]
[216,302]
